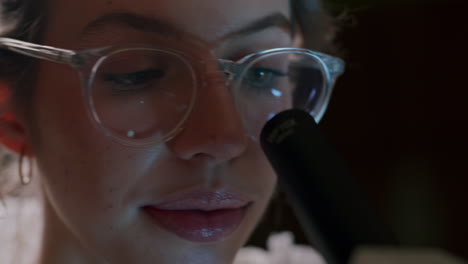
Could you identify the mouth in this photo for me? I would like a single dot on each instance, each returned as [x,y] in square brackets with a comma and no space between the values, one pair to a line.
[200,216]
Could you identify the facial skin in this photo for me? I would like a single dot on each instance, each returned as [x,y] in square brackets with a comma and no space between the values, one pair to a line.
[95,187]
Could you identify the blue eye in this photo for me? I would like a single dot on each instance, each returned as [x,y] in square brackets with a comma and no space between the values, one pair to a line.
[132,81]
[262,78]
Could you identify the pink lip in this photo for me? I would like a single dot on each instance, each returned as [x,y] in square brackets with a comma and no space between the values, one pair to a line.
[200,216]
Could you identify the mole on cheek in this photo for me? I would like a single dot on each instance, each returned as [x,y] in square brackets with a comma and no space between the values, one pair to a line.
[109,2]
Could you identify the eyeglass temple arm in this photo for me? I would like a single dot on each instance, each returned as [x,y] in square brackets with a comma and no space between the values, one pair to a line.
[39,51]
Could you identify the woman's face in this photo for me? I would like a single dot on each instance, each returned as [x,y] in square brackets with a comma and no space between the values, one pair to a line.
[120,204]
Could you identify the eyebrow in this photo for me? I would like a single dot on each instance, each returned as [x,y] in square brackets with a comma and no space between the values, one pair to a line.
[163,28]
[273,20]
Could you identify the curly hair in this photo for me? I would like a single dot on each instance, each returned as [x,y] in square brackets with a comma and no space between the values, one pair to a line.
[23,20]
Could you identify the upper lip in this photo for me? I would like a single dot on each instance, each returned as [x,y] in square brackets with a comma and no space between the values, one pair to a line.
[203,200]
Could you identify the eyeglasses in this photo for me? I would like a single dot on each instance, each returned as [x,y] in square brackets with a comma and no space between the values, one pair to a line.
[141,95]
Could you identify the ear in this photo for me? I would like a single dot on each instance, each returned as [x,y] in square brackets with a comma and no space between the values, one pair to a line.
[12,128]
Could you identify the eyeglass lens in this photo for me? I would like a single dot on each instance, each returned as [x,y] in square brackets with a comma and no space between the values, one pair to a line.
[276,82]
[142,94]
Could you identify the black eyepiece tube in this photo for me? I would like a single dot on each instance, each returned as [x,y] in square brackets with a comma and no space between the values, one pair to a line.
[326,200]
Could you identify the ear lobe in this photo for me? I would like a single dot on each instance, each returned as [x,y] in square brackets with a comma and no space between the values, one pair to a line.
[12,132]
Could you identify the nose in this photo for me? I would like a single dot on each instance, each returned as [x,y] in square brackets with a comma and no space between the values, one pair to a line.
[214,130]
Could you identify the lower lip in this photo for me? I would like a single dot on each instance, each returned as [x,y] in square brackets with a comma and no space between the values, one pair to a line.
[198,226]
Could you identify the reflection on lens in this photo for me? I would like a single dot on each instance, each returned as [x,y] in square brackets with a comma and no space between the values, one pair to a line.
[278,81]
[142,94]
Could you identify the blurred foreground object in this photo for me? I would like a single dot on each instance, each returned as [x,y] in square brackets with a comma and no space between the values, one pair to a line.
[280,250]
[375,255]
[325,198]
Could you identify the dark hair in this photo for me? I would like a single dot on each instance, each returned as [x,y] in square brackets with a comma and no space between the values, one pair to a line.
[317,26]
[23,20]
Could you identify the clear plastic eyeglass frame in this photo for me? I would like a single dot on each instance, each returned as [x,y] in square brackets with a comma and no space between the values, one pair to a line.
[87,61]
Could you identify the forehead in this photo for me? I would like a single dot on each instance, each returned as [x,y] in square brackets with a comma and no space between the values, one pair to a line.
[210,20]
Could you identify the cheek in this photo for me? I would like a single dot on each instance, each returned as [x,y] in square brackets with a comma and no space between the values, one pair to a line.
[58,105]
[75,160]
[95,193]
[255,174]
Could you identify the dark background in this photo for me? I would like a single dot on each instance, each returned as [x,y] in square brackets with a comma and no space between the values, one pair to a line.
[399,117]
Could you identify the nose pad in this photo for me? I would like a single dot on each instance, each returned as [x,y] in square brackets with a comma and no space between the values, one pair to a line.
[218,77]
[229,77]
[230,69]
